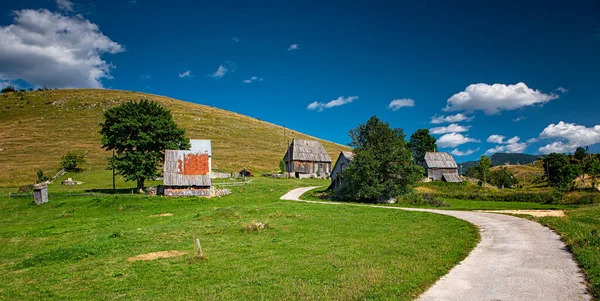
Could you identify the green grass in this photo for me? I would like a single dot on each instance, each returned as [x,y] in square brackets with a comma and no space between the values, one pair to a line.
[37,128]
[580,230]
[77,247]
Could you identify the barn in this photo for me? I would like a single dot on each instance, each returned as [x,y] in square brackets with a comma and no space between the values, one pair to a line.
[441,166]
[187,172]
[342,162]
[307,158]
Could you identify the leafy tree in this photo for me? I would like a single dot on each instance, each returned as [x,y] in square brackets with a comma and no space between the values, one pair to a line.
[580,153]
[73,161]
[282,166]
[139,133]
[503,178]
[560,173]
[8,89]
[421,142]
[382,166]
[592,168]
[482,168]
[41,178]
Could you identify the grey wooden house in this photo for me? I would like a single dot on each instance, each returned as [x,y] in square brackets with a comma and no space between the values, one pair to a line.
[441,166]
[307,158]
[344,159]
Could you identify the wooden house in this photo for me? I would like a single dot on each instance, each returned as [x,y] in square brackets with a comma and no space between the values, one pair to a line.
[342,162]
[187,172]
[441,166]
[307,158]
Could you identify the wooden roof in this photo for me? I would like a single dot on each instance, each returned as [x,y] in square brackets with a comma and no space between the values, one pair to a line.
[439,160]
[307,150]
[451,177]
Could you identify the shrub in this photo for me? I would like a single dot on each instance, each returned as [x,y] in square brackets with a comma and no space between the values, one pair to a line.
[427,199]
[41,177]
[9,89]
[73,161]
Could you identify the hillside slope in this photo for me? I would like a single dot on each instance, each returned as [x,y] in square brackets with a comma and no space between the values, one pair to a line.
[37,128]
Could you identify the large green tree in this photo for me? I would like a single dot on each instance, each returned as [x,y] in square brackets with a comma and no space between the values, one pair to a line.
[382,166]
[560,172]
[421,142]
[592,167]
[139,133]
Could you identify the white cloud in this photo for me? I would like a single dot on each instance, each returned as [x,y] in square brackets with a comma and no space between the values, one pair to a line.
[452,128]
[222,70]
[571,135]
[460,153]
[448,119]
[252,79]
[293,47]
[532,140]
[557,147]
[145,76]
[492,99]
[64,5]
[454,140]
[235,40]
[520,118]
[44,48]
[185,74]
[320,106]
[396,104]
[499,139]
[562,90]
[512,145]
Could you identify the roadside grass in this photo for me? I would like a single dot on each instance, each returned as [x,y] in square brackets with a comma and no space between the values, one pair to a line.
[321,194]
[77,247]
[37,128]
[580,230]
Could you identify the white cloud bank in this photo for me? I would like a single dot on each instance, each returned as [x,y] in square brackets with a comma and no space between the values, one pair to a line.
[49,49]
[452,128]
[397,104]
[340,101]
[569,136]
[454,140]
[450,119]
[491,99]
[512,145]
[460,153]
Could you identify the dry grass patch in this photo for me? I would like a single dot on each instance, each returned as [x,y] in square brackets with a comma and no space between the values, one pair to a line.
[156,255]
[162,214]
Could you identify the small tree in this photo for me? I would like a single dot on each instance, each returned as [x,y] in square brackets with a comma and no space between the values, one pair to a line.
[140,132]
[73,161]
[580,153]
[502,178]
[282,166]
[483,168]
[382,166]
[592,168]
[41,178]
[421,142]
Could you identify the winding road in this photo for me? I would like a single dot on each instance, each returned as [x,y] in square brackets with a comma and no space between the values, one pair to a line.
[517,259]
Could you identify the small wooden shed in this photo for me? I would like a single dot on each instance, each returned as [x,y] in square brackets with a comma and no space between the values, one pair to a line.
[342,162]
[441,166]
[187,172]
[307,158]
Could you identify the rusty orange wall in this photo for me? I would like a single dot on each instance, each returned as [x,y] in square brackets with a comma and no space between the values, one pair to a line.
[193,164]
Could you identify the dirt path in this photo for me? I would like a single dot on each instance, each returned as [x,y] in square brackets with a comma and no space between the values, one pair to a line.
[517,259]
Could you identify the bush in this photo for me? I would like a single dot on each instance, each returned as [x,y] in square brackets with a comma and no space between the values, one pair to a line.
[427,199]
[41,178]
[9,89]
[73,161]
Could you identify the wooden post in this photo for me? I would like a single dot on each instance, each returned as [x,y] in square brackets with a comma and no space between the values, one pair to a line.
[199,247]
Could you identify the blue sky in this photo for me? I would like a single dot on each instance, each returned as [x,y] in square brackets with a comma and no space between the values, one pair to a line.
[527,70]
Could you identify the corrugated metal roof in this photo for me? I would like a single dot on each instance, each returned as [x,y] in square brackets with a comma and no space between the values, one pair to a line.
[307,150]
[439,160]
[201,146]
[451,177]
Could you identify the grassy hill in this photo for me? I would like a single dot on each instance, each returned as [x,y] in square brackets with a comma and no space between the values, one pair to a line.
[37,128]
[502,159]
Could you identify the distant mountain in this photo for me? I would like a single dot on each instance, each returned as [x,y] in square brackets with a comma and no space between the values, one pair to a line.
[502,159]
